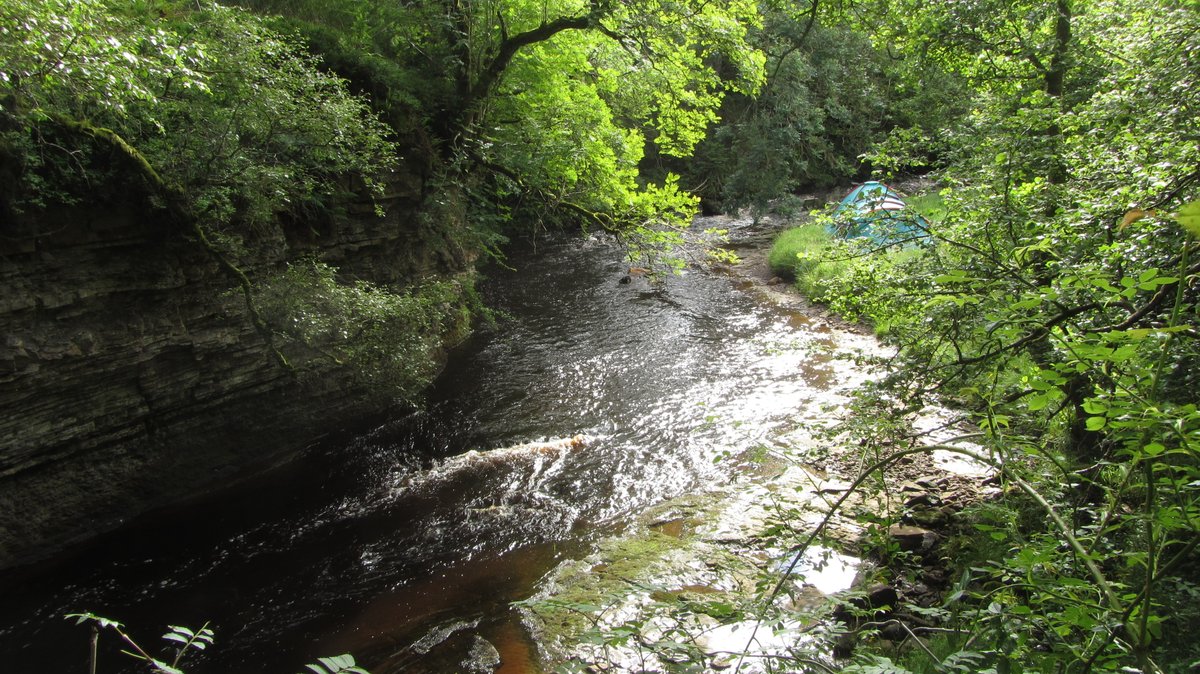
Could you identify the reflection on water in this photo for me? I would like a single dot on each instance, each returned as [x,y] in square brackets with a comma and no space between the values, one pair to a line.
[398,545]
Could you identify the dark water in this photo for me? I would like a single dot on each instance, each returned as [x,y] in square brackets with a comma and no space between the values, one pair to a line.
[394,545]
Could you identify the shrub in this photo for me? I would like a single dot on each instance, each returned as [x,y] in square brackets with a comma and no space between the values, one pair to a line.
[386,339]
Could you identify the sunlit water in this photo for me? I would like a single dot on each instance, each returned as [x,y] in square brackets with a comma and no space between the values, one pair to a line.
[405,540]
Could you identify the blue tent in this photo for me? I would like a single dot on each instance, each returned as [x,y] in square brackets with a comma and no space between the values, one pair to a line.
[876,211]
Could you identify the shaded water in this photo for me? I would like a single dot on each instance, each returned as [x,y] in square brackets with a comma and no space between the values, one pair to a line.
[401,545]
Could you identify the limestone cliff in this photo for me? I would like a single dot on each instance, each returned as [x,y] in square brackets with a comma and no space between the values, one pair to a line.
[130,375]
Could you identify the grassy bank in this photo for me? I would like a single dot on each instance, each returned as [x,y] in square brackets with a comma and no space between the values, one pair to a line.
[799,255]
[828,270]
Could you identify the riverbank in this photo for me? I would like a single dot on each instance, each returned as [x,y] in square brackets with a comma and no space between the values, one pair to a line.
[381,542]
[793,556]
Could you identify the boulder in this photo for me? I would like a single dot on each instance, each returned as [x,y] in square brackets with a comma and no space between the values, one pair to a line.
[913,539]
[483,658]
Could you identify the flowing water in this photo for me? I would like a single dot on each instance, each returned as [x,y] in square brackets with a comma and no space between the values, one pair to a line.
[406,540]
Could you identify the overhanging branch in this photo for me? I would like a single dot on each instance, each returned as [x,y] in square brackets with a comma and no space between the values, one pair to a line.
[511,45]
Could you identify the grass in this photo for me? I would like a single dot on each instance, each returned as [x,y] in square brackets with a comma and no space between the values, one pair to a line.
[810,256]
[790,243]
[803,255]
[931,205]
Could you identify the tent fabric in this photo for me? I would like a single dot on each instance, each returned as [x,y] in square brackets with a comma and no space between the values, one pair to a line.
[876,211]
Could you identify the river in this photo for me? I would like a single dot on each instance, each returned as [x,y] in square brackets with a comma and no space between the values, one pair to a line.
[401,540]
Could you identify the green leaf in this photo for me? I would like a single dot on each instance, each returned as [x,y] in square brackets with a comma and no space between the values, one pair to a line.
[165,668]
[1188,217]
[1151,284]
[337,664]
[953,276]
[1096,423]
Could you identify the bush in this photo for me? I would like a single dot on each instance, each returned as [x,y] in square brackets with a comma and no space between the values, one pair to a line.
[385,339]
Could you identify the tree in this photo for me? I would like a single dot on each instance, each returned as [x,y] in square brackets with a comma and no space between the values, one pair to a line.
[542,111]
[1057,300]
[832,93]
[210,107]
[827,100]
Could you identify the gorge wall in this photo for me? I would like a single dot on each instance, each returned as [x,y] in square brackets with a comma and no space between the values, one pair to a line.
[130,375]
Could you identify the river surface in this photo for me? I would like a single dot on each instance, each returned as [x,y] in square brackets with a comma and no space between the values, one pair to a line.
[405,540]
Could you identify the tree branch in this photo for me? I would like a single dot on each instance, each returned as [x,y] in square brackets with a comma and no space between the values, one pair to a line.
[1039,333]
[511,45]
[798,43]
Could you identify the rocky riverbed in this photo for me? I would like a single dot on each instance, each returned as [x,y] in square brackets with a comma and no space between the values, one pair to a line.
[796,560]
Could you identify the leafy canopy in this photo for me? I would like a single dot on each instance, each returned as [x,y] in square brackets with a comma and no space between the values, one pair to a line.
[210,103]
[544,110]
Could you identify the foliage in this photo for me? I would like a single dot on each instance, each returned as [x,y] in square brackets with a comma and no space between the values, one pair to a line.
[228,126]
[639,72]
[185,640]
[832,93]
[338,664]
[1059,305]
[280,135]
[808,127]
[384,338]
[1057,300]
[61,53]
[212,103]
[542,113]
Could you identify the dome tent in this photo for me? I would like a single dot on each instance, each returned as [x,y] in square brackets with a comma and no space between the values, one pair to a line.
[876,211]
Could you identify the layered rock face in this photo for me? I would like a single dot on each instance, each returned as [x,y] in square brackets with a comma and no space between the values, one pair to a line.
[130,375]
